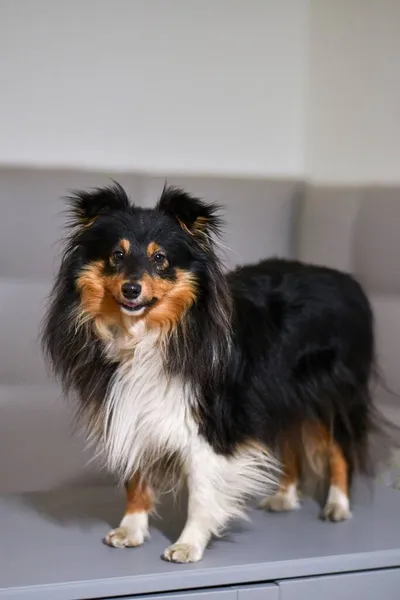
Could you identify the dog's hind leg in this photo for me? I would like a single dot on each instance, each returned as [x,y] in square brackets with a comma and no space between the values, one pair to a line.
[286,498]
[337,507]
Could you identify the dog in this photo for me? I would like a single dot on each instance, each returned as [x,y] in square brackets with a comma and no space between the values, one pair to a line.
[236,383]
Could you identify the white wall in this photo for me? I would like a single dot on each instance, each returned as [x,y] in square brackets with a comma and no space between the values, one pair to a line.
[213,86]
[244,87]
[353,103]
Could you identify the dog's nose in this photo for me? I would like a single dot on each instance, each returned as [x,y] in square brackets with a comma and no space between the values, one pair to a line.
[130,290]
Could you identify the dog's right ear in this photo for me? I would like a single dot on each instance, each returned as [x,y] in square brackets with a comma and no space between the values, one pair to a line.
[86,206]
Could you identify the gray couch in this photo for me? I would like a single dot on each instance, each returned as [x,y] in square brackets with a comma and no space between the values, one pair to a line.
[354,229]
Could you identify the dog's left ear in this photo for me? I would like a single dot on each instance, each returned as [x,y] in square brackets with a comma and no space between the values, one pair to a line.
[195,216]
[86,206]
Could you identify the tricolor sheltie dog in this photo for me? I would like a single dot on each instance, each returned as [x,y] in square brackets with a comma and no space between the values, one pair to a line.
[239,384]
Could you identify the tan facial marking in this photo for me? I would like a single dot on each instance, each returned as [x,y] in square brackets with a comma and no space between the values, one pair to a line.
[98,292]
[152,248]
[90,284]
[174,299]
[125,245]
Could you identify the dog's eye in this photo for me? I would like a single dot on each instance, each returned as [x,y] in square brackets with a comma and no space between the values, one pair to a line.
[159,258]
[117,256]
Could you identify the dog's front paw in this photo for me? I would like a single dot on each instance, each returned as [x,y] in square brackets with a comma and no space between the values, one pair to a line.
[123,537]
[133,531]
[183,553]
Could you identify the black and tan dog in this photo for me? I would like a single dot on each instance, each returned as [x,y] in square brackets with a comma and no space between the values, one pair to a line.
[184,372]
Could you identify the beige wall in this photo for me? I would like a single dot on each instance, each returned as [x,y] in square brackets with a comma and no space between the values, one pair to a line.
[353,92]
[210,86]
[259,87]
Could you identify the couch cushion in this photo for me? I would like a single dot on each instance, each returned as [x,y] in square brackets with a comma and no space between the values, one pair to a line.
[38,448]
[22,304]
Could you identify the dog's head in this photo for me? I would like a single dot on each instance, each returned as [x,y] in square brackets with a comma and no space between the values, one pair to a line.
[133,263]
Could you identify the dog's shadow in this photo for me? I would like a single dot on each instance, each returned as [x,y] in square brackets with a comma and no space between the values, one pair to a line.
[90,507]
[101,507]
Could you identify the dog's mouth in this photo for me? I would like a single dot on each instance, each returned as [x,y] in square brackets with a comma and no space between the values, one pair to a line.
[136,307]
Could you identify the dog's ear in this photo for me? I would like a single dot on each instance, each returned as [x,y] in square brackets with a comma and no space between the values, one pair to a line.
[194,216]
[86,206]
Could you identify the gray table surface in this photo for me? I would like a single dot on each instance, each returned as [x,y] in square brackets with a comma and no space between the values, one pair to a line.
[50,546]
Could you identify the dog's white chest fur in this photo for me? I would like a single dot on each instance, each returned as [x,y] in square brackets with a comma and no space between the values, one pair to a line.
[148,414]
[149,419]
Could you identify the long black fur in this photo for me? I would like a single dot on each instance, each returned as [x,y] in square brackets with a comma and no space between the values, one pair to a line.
[266,346]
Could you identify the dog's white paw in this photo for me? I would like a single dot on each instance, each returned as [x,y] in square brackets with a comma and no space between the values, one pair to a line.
[334,511]
[122,537]
[132,531]
[183,553]
[337,507]
[282,501]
